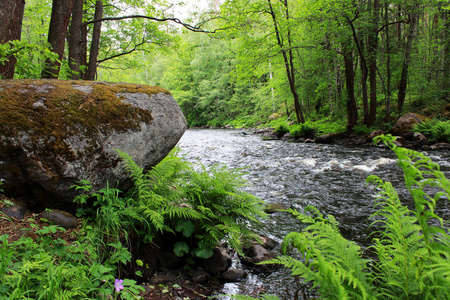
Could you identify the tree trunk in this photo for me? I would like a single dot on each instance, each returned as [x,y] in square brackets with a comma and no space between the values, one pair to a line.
[61,11]
[446,52]
[288,61]
[75,40]
[83,52]
[406,60]
[352,110]
[388,65]
[372,56]
[11,16]
[365,97]
[364,71]
[95,43]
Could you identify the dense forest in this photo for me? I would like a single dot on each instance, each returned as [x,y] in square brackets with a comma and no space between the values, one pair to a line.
[245,62]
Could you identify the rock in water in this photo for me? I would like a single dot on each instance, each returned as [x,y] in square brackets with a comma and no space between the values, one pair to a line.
[55,133]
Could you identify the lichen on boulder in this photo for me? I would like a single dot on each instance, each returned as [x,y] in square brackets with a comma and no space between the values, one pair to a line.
[406,123]
[55,133]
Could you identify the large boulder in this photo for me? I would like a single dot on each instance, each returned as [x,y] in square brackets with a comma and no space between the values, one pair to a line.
[406,123]
[55,133]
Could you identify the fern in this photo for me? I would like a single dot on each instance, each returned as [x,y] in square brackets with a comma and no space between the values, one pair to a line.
[331,262]
[414,240]
[412,246]
[211,199]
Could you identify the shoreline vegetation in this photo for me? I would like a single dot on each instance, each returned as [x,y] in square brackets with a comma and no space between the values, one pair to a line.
[193,211]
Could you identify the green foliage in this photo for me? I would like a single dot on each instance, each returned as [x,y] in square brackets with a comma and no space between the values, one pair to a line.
[206,206]
[202,206]
[412,246]
[362,129]
[50,268]
[305,130]
[30,57]
[434,129]
[281,129]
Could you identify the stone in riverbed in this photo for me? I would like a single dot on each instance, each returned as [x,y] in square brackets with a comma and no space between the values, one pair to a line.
[60,218]
[219,262]
[55,133]
[233,275]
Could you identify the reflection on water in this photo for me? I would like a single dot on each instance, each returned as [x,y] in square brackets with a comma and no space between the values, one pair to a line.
[330,177]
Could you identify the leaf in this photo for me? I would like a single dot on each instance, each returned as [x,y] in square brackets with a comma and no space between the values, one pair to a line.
[203,252]
[180,249]
[185,227]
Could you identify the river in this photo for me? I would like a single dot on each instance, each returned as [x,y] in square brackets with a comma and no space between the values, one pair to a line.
[329,177]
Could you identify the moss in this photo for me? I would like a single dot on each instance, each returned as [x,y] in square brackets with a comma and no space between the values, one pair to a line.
[50,111]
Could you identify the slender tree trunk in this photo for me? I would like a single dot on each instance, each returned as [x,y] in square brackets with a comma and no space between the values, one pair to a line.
[61,11]
[406,60]
[364,71]
[95,44]
[11,17]
[75,40]
[84,50]
[338,90]
[446,52]
[388,65]
[373,47]
[352,110]
[365,97]
[288,61]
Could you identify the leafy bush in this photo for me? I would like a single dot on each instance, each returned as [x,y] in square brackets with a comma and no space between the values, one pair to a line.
[200,207]
[434,129]
[305,130]
[413,247]
[203,206]
[362,129]
[281,129]
[50,268]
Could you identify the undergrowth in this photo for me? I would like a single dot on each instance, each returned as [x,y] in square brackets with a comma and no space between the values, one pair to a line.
[435,130]
[198,207]
[412,246]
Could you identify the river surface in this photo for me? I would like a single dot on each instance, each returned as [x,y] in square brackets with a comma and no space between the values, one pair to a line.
[329,177]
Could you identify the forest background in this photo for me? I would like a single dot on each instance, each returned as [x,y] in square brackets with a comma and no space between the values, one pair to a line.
[351,64]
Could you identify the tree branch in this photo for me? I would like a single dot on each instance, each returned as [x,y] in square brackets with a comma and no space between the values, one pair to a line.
[135,48]
[388,24]
[175,20]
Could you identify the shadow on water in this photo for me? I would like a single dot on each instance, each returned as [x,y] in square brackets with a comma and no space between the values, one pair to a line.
[329,177]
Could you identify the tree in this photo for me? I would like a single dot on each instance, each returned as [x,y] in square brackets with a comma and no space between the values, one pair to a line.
[413,22]
[11,16]
[372,54]
[76,41]
[61,12]
[95,43]
[288,56]
[352,110]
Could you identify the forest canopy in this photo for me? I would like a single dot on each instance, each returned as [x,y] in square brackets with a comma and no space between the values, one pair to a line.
[240,62]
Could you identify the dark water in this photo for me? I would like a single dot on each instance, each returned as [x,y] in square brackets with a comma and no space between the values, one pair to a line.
[330,177]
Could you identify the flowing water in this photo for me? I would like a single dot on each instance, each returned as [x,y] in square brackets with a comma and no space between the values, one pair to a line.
[329,177]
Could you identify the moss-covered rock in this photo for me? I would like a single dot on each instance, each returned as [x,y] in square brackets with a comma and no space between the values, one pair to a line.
[406,122]
[54,133]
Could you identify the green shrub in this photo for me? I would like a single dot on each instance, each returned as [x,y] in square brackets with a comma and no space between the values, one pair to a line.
[434,129]
[203,206]
[50,268]
[200,207]
[362,129]
[412,247]
[281,129]
[305,130]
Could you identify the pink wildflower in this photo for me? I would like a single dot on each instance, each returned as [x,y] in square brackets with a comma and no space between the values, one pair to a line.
[118,285]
